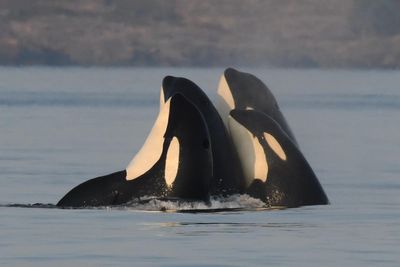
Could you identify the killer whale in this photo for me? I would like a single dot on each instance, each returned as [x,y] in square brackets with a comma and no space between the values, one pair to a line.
[275,169]
[194,151]
[182,167]
[240,90]
[227,173]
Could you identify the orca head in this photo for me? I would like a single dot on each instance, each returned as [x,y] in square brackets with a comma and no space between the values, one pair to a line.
[173,85]
[227,178]
[256,148]
[240,90]
[290,180]
[244,91]
[177,151]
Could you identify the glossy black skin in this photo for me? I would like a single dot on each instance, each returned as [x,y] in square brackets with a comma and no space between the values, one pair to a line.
[227,173]
[290,183]
[249,91]
[194,174]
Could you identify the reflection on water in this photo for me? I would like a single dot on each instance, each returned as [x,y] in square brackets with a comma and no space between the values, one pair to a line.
[210,228]
[187,228]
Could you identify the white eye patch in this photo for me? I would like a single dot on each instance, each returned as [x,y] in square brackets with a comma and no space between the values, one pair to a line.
[172,162]
[275,146]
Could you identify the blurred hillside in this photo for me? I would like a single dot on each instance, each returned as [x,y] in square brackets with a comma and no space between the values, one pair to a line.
[283,33]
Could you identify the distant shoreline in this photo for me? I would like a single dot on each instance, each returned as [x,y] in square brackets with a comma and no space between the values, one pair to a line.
[242,66]
[340,34]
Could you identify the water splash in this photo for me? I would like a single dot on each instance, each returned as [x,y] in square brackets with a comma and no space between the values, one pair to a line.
[216,204]
[230,203]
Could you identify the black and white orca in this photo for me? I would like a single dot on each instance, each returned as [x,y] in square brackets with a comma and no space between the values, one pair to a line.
[275,170]
[175,161]
[193,151]
[240,90]
[227,173]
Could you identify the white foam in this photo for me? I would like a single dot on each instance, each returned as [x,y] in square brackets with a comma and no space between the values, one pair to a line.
[216,203]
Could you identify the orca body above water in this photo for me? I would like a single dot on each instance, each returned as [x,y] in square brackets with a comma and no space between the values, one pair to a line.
[227,175]
[178,163]
[276,171]
[196,150]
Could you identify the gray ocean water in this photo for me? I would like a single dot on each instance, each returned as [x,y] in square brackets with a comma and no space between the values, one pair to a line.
[61,126]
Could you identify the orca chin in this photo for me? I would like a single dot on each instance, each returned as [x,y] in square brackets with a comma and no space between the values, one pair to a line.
[195,151]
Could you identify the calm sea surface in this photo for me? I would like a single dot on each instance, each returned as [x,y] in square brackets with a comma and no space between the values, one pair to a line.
[61,126]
